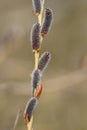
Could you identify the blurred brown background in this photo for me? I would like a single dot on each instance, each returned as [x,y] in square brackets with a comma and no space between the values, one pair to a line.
[63,104]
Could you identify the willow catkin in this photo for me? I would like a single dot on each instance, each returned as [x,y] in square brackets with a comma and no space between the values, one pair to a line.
[46,25]
[35,36]
[36,78]
[36,6]
[30,106]
[43,61]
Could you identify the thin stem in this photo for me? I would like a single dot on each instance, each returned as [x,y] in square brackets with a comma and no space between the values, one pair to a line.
[36,54]
[40,20]
[29,124]
[41,14]
[16,120]
[41,38]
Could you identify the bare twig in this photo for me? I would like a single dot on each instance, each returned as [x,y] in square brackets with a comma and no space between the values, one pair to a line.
[16,120]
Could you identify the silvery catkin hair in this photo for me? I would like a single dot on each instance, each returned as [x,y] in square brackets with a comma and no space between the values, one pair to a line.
[46,25]
[36,77]
[43,61]
[35,36]
[36,6]
[30,106]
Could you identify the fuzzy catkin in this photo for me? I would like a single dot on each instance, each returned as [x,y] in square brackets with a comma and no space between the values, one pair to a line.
[36,77]
[35,36]
[30,106]
[46,25]
[36,6]
[44,60]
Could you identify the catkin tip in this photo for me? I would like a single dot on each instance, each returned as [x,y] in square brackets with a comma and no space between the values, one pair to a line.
[35,36]
[47,21]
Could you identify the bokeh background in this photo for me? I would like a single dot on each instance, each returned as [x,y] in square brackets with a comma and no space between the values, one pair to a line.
[63,103]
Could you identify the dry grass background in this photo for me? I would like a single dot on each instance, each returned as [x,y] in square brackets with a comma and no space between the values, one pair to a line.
[63,104]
